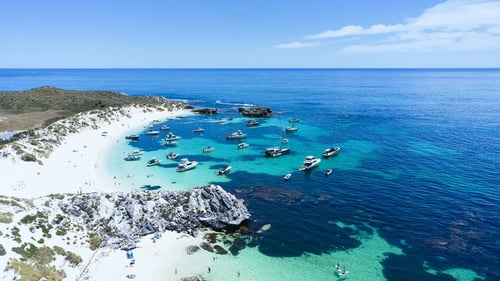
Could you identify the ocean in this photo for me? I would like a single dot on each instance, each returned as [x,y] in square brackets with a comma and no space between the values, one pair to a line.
[415,188]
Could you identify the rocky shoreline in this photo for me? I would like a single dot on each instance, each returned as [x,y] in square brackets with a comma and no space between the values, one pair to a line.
[119,220]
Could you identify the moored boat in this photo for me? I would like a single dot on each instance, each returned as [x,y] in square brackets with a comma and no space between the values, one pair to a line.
[199,130]
[152,133]
[136,152]
[236,135]
[132,137]
[185,165]
[131,157]
[252,123]
[294,120]
[165,127]
[224,170]
[287,177]
[172,137]
[276,151]
[242,145]
[309,163]
[328,172]
[153,162]
[208,149]
[291,129]
[330,151]
[172,155]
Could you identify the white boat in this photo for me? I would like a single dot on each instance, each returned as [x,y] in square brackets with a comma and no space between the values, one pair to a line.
[224,170]
[287,177]
[104,134]
[328,172]
[131,157]
[291,129]
[153,162]
[136,152]
[294,120]
[242,145]
[236,135]
[252,123]
[284,140]
[170,143]
[172,155]
[199,130]
[276,151]
[208,149]
[152,133]
[171,137]
[330,151]
[185,165]
[309,163]
[165,127]
[132,137]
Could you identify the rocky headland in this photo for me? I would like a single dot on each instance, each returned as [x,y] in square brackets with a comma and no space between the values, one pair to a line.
[257,111]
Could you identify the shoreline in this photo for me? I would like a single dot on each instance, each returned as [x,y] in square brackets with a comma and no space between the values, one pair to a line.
[74,167]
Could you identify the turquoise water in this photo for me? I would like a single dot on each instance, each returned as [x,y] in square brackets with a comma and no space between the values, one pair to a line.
[415,190]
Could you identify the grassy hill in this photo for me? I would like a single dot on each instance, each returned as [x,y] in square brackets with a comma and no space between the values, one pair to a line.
[24,110]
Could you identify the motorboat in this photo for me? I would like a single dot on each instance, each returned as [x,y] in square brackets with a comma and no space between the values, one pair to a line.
[152,133]
[276,151]
[170,143]
[185,165]
[208,149]
[284,140]
[328,172]
[131,157]
[164,128]
[291,129]
[330,151]
[236,135]
[199,130]
[172,155]
[309,163]
[294,120]
[171,137]
[153,162]
[136,152]
[224,170]
[287,177]
[242,145]
[252,123]
[132,137]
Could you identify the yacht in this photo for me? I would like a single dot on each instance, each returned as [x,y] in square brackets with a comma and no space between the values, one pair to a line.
[242,145]
[208,149]
[153,162]
[224,170]
[291,129]
[131,157]
[132,137]
[252,123]
[172,155]
[287,177]
[236,135]
[136,152]
[152,133]
[328,172]
[330,151]
[185,165]
[165,127]
[171,137]
[294,120]
[309,163]
[199,130]
[276,151]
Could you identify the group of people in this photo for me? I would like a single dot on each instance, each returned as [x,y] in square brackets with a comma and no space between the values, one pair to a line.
[342,271]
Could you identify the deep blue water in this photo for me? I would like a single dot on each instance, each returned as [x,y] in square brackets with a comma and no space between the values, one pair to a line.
[420,155]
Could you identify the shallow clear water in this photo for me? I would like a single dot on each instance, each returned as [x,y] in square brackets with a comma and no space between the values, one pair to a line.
[415,190]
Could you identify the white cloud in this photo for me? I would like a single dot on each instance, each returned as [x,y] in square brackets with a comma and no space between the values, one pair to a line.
[451,25]
[296,45]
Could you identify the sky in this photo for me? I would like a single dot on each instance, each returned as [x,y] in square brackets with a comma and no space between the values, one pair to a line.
[249,33]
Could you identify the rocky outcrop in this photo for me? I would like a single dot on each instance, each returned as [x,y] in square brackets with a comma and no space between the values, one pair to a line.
[205,110]
[256,111]
[120,219]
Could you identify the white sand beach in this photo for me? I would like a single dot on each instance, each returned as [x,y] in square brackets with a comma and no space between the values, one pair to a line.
[75,166]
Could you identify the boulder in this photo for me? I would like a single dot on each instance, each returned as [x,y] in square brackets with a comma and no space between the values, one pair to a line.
[255,111]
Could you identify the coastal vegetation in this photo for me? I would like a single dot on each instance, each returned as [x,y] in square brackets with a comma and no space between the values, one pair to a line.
[38,107]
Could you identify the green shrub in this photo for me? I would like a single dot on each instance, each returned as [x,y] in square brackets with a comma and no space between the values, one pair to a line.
[2,250]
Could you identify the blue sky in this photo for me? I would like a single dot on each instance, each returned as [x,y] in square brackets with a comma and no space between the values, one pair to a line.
[249,33]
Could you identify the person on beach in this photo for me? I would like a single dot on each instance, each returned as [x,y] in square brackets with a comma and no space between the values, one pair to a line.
[209,269]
